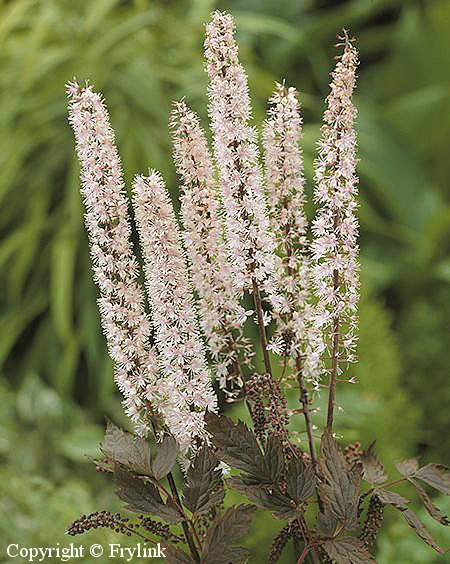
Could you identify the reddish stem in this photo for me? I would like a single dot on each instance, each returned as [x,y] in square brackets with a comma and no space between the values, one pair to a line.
[303,555]
[262,330]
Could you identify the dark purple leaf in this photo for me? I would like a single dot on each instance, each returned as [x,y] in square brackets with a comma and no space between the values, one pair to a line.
[143,497]
[327,525]
[392,498]
[347,551]
[165,457]
[267,497]
[373,470]
[339,484]
[127,450]
[176,556]
[435,475]
[204,485]
[236,445]
[414,522]
[429,505]
[407,467]
[300,480]
[274,459]
[226,530]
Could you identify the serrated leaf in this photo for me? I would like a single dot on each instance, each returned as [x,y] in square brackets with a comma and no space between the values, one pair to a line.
[347,550]
[435,475]
[392,498]
[407,467]
[143,497]
[373,470]
[414,522]
[274,458]
[327,524]
[399,502]
[175,555]
[266,497]
[203,488]
[165,457]
[300,480]
[429,505]
[222,536]
[237,446]
[339,483]
[125,449]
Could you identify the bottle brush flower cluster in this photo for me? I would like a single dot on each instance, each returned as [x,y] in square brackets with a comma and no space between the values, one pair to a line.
[241,259]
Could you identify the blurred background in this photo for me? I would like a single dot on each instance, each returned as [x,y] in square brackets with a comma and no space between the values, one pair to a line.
[56,379]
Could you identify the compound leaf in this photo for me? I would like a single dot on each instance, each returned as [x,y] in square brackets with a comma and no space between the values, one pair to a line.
[339,483]
[435,475]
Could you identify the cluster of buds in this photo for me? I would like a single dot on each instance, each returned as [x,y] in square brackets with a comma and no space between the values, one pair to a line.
[352,453]
[278,544]
[373,522]
[158,529]
[269,407]
[101,519]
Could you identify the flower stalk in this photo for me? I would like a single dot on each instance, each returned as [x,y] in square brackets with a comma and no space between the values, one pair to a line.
[285,185]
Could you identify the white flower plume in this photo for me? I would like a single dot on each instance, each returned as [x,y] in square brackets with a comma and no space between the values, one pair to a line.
[184,389]
[251,244]
[121,301]
[335,228]
[221,315]
[296,336]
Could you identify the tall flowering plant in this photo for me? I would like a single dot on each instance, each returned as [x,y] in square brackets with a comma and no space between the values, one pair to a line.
[241,251]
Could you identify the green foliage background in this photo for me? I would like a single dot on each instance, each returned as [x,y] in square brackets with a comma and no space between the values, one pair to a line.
[56,379]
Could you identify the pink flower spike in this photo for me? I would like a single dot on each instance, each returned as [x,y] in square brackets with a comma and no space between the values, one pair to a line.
[285,188]
[251,245]
[184,389]
[124,321]
[221,315]
[335,228]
